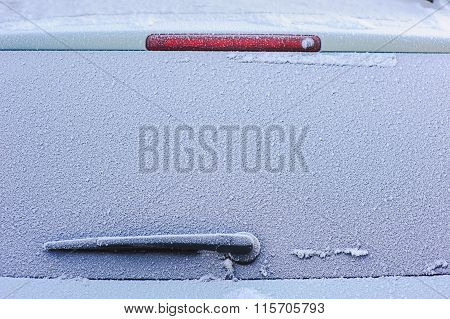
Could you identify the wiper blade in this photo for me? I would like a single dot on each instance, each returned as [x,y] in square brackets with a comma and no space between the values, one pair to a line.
[240,247]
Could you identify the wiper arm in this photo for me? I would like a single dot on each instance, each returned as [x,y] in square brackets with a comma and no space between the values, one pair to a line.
[240,247]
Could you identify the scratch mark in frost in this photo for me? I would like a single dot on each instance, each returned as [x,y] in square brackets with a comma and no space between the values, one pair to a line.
[333,59]
[309,253]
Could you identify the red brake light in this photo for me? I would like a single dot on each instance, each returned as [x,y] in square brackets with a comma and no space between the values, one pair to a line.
[233,42]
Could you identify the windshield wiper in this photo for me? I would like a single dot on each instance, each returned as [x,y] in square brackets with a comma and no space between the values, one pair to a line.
[240,247]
